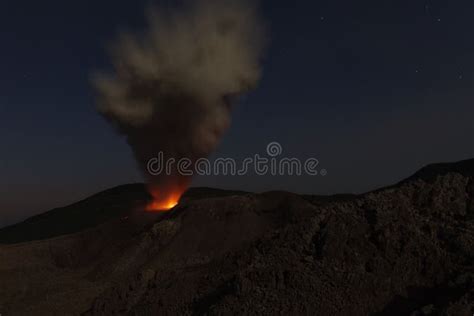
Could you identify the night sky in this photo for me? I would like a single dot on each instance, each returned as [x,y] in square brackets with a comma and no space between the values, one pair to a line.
[373,89]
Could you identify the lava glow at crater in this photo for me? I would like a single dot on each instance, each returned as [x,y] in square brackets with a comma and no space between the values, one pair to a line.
[163,203]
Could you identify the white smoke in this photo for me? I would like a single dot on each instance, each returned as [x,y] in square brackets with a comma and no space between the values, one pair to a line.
[173,85]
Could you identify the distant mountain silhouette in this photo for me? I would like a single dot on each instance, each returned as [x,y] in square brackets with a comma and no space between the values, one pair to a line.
[79,216]
[430,172]
[406,249]
[92,211]
[120,200]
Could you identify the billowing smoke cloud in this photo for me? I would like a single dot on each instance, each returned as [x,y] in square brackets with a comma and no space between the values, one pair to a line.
[173,86]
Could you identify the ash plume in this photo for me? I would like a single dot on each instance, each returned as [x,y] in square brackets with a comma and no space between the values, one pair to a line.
[173,85]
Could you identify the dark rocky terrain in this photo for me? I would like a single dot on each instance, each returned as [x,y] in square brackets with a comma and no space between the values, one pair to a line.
[407,249]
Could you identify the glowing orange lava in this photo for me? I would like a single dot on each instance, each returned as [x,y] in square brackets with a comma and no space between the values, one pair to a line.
[166,193]
[163,204]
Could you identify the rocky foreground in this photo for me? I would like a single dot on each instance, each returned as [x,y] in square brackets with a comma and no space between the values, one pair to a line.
[403,250]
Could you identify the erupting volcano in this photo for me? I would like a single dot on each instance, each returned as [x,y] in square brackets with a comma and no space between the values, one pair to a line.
[165,198]
[165,204]
[173,86]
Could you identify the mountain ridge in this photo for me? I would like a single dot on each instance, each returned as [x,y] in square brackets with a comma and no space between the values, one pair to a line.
[399,250]
[100,207]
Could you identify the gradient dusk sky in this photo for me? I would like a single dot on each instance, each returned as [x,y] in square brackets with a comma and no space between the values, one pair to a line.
[373,89]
